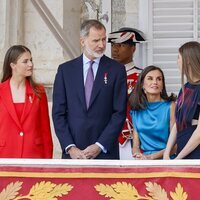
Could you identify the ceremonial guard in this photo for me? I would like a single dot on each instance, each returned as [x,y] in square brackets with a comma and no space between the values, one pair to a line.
[123,46]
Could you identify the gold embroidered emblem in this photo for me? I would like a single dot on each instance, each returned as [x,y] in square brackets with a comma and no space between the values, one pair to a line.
[42,190]
[123,190]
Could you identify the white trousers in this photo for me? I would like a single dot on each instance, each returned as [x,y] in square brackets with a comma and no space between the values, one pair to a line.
[125,151]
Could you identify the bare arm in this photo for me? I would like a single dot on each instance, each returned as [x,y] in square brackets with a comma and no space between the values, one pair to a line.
[136,144]
[170,143]
[172,115]
[173,131]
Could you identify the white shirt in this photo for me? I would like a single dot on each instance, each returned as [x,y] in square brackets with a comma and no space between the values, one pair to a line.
[86,65]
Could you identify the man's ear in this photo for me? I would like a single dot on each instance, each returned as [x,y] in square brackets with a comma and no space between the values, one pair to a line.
[82,41]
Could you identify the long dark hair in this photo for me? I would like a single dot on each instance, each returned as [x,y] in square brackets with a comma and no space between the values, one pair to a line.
[138,99]
[12,56]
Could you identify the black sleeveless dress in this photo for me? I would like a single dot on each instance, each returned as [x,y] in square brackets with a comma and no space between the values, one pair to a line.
[184,114]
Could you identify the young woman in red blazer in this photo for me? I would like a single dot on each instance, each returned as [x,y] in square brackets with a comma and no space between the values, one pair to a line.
[24,119]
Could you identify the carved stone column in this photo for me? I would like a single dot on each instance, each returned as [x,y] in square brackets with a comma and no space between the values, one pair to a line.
[71,22]
[11,25]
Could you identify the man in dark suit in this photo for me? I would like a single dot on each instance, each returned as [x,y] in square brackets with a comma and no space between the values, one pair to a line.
[89,99]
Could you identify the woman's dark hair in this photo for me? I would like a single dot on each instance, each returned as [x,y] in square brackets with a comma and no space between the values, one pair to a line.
[12,56]
[138,99]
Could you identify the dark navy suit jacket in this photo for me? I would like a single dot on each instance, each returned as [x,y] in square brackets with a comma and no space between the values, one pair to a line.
[103,120]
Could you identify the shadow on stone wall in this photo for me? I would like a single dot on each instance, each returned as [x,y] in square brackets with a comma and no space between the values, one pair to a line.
[56,145]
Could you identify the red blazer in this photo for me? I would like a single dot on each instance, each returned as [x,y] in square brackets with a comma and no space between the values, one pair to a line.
[29,137]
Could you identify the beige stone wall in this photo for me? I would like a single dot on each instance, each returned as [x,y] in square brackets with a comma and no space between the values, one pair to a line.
[46,51]
[26,26]
[124,13]
[57,149]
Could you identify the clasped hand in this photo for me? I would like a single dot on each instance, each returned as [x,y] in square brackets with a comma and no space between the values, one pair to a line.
[90,152]
[141,156]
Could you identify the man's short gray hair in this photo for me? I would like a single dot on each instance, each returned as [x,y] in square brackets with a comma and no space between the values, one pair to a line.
[88,24]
